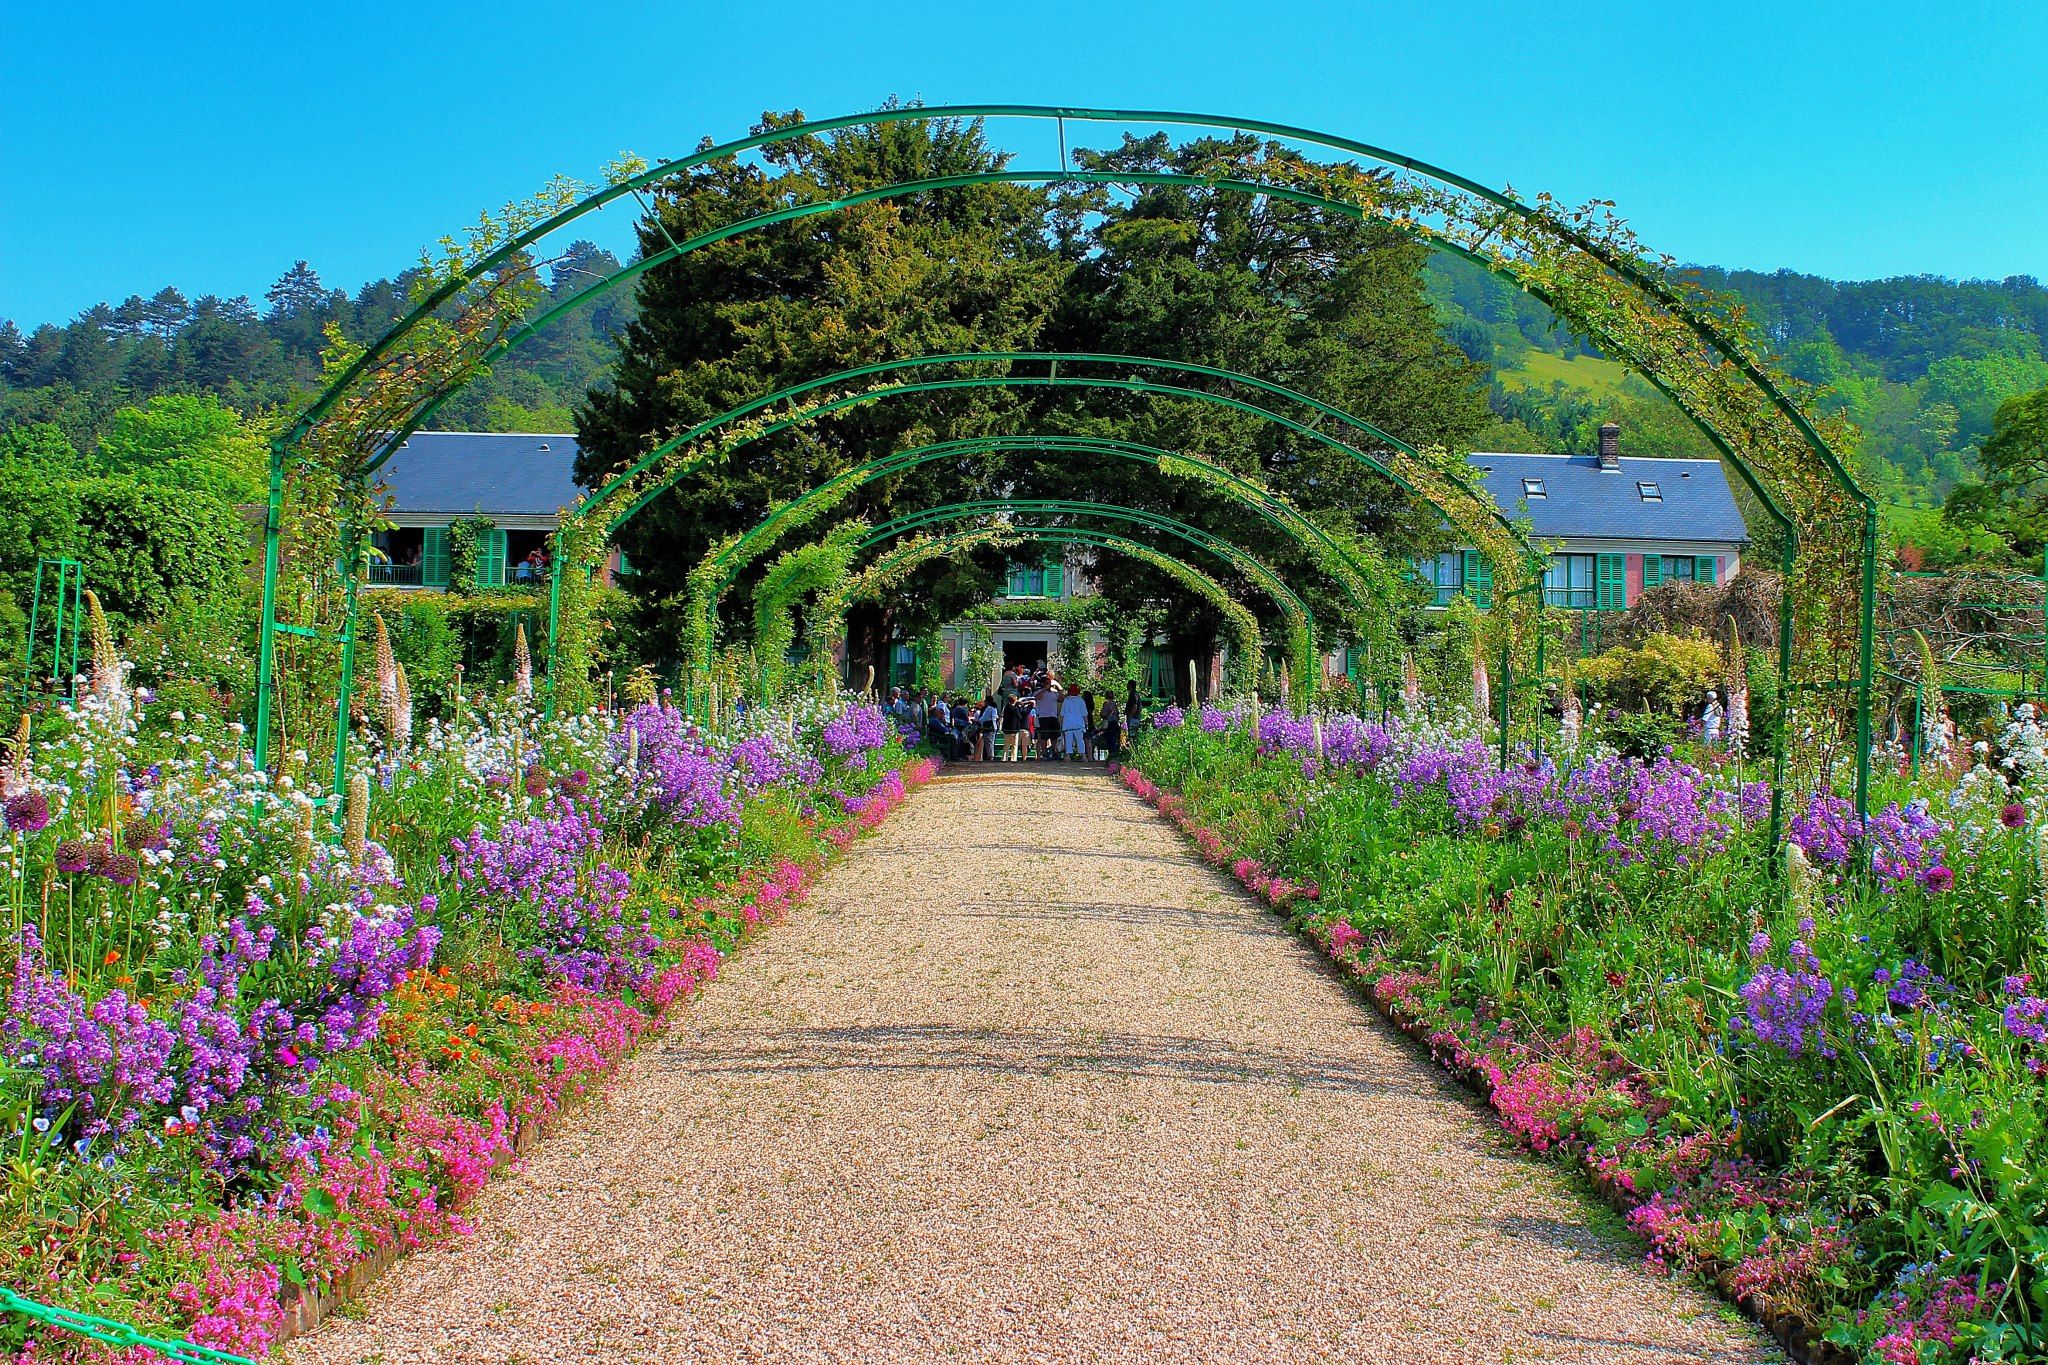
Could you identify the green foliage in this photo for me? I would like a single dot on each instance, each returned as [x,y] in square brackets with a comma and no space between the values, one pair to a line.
[465,535]
[183,441]
[2013,499]
[141,543]
[78,376]
[794,575]
[931,660]
[36,451]
[1664,675]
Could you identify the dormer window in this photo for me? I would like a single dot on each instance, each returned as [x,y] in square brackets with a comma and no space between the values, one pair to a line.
[1533,488]
[1649,492]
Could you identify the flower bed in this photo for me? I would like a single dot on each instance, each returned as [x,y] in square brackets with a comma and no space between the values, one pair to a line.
[248,1054]
[1824,1091]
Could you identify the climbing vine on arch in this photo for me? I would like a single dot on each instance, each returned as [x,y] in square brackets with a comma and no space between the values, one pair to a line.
[795,574]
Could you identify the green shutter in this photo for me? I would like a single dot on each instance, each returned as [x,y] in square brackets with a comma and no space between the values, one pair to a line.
[1703,569]
[1478,579]
[1610,582]
[1055,578]
[434,557]
[1653,570]
[490,558]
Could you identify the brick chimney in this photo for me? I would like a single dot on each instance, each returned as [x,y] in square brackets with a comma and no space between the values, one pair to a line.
[1610,445]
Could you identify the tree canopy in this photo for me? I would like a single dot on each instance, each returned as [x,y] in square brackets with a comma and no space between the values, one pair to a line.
[1270,288]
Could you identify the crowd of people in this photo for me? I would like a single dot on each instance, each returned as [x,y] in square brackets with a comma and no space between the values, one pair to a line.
[1030,716]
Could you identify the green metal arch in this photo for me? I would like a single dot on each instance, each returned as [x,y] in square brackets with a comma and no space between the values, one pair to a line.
[1290,605]
[1052,378]
[1708,328]
[1294,523]
[1622,264]
[1086,535]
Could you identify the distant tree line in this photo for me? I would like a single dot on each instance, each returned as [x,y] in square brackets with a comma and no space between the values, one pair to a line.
[259,359]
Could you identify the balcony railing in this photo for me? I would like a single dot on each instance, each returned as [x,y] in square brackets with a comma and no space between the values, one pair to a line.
[395,576]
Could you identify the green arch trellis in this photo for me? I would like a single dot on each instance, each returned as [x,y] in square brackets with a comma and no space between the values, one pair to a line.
[625,494]
[1301,621]
[1587,266]
[902,558]
[1360,582]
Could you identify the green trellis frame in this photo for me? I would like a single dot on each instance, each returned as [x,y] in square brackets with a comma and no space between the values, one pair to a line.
[905,555]
[727,561]
[1594,276]
[1290,605]
[632,489]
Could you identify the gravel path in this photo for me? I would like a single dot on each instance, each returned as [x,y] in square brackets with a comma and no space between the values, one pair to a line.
[1024,1082]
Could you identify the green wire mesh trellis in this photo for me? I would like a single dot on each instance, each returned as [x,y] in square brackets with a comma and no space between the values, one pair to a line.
[115,1333]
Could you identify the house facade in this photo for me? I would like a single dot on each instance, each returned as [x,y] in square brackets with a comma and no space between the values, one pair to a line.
[1615,525]
[523,482]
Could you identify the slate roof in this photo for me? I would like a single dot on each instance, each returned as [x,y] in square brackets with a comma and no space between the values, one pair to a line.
[1584,501]
[497,474]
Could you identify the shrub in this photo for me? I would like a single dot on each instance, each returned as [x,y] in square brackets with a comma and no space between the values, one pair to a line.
[1664,674]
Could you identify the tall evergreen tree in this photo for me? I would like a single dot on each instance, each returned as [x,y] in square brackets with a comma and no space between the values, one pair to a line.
[959,270]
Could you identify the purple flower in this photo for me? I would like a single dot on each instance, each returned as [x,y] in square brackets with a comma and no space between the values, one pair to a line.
[1827,829]
[1787,1009]
[28,812]
[2013,816]
[1938,879]
[686,780]
[105,1061]
[74,855]
[547,867]
[858,730]
[2027,1019]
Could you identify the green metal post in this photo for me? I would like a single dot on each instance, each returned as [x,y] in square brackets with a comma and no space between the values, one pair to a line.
[28,646]
[1787,559]
[266,635]
[345,690]
[1866,680]
[1919,709]
[66,595]
[77,611]
[561,566]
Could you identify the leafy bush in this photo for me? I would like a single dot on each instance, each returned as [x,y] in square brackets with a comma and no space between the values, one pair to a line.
[1665,675]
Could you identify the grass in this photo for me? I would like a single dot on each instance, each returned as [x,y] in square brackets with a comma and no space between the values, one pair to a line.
[1541,369]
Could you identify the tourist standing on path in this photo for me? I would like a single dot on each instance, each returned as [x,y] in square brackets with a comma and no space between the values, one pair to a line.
[1074,726]
[1132,710]
[1048,705]
[1112,728]
[1016,727]
[988,724]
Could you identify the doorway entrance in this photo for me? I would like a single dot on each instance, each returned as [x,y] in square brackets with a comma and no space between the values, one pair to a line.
[1030,653]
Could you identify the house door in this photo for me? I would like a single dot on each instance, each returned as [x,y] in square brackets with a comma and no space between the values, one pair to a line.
[1030,653]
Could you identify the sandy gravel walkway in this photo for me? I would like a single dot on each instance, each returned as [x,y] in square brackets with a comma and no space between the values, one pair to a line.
[1023,1082]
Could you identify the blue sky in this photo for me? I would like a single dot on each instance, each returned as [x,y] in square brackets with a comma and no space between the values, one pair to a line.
[145,144]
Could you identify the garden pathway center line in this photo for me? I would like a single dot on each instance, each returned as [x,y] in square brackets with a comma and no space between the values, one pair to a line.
[1064,1095]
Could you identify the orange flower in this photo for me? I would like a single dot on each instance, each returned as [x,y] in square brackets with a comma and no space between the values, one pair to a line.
[113,956]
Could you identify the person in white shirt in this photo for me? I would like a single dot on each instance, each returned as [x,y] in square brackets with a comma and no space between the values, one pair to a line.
[1074,725]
